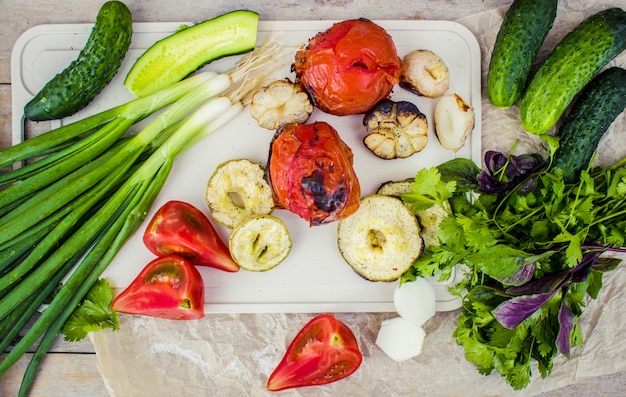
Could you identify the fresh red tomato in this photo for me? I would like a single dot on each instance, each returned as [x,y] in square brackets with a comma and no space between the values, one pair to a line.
[324,351]
[167,287]
[348,68]
[182,229]
[310,170]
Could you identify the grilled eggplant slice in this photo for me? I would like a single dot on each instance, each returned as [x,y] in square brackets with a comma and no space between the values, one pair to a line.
[381,240]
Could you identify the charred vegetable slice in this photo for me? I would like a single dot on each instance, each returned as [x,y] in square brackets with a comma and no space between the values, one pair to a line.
[260,242]
[237,189]
[381,240]
[425,73]
[395,129]
[280,102]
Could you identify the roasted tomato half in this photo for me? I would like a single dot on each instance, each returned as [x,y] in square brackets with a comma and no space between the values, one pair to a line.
[310,170]
[167,287]
[324,351]
[182,229]
[348,68]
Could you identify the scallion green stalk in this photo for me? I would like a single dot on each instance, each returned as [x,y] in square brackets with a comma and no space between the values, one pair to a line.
[92,189]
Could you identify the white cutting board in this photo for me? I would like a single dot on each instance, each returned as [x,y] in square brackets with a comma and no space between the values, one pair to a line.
[314,278]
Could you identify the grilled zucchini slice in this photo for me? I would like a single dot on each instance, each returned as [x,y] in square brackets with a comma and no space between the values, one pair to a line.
[381,240]
[429,219]
[236,190]
[259,243]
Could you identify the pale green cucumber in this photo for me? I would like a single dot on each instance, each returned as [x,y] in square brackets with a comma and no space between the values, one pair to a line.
[175,57]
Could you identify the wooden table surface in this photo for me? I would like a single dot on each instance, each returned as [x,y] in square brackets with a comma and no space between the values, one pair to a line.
[70,368]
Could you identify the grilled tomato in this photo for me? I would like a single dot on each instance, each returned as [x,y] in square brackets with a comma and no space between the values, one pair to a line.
[348,68]
[310,170]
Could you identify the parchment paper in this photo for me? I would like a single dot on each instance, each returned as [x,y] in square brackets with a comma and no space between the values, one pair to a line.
[234,354]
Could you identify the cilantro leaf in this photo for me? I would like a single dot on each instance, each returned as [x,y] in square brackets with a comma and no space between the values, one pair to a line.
[429,189]
[93,314]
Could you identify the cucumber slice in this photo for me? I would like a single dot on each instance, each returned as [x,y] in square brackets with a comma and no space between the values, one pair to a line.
[175,57]
[259,243]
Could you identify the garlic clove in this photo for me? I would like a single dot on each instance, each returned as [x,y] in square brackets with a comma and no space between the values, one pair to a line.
[454,121]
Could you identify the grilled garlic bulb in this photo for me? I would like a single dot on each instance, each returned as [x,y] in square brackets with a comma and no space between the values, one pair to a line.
[395,129]
[279,103]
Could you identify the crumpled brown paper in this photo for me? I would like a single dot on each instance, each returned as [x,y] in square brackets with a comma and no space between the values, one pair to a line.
[234,354]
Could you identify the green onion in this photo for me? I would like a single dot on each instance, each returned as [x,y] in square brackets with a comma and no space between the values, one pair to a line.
[85,189]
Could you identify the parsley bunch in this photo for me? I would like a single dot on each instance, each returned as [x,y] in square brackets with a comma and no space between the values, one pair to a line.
[532,246]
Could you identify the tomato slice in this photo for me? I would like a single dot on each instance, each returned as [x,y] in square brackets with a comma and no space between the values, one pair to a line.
[168,287]
[182,229]
[324,351]
[310,170]
[348,68]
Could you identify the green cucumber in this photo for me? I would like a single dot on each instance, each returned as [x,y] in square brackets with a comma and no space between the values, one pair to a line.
[96,65]
[570,66]
[590,116]
[524,28]
[175,57]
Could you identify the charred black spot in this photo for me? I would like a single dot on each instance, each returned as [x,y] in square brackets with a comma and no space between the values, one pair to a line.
[324,200]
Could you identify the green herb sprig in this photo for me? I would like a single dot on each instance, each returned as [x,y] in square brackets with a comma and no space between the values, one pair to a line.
[532,247]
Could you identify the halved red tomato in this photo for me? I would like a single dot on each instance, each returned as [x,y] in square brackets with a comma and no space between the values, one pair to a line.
[348,68]
[311,173]
[182,229]
[167,287]
[324,351]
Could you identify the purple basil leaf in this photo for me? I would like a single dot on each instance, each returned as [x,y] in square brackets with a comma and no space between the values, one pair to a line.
[495,160]
[606,264]
[566,322]
[543,285]
[526,163]
[489,184]
[521,276]
[516,168]
[512,312]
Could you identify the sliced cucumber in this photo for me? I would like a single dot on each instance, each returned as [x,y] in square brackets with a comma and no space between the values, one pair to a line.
[175,57]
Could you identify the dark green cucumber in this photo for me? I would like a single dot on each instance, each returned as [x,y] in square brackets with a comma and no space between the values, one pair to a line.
[524,28]
[175,57]
[96,65]
[575,60]
[590,116]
